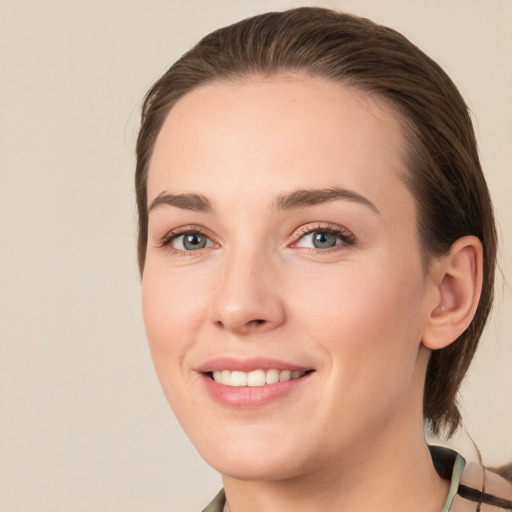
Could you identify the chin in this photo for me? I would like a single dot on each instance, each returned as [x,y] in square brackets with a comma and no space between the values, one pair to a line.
[252,460]
[264,468]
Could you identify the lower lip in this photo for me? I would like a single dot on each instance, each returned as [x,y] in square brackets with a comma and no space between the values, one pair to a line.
[251,396]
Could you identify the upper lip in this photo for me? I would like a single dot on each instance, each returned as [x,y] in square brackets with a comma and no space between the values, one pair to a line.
[248,365]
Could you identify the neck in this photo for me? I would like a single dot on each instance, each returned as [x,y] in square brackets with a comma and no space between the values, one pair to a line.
[399,478]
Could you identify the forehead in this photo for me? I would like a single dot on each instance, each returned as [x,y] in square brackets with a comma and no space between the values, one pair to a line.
[284,130]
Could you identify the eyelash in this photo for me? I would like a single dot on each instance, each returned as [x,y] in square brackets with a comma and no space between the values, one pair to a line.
[346,237]
[168,239]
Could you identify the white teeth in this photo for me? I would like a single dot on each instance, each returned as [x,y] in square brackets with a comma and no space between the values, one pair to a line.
[238,379]
[285,375]
[255,378]
[272,376]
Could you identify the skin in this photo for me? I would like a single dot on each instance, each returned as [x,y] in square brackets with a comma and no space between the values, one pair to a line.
[356,313]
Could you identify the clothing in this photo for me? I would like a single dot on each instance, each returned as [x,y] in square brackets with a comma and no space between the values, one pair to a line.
[217,505]
[466,494]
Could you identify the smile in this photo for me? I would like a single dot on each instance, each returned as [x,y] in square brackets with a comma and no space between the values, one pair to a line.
[250,383]
[255,378]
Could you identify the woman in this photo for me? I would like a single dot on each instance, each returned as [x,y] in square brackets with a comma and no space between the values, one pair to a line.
[317,248]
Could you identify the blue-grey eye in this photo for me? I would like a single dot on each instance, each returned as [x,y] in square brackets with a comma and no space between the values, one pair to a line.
[323,239]
[190,242]
[319,239]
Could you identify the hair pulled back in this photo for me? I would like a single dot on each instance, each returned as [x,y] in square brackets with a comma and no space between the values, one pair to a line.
[445,175]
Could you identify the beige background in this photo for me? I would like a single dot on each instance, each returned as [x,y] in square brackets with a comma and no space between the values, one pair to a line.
[83,423]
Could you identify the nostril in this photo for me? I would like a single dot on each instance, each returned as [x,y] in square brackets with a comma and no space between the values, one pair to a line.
[242,327]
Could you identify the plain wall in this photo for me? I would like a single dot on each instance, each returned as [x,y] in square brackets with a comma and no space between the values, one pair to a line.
[84,425]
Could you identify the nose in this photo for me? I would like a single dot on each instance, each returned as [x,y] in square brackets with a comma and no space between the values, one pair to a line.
[247,298]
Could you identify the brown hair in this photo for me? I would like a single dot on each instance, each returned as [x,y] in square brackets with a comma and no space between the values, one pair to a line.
[444,169]
[505,471]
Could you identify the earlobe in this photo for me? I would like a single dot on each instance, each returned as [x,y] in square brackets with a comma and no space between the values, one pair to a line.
[458,276]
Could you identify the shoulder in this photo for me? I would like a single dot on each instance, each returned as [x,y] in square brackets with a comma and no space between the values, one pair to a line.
[487,488]
[473,487]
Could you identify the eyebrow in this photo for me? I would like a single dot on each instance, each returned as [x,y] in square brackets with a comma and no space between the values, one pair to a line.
[195,202]
[310,197]
[300,198]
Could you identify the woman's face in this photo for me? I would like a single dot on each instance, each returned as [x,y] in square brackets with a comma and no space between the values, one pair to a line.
[283,245]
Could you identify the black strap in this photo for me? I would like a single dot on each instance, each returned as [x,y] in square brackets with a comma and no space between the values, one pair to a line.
[482,497]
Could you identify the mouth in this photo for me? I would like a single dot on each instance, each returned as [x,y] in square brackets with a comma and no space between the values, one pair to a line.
[253,382]
[255,378]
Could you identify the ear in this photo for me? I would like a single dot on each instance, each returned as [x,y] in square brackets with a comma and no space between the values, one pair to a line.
[457,279]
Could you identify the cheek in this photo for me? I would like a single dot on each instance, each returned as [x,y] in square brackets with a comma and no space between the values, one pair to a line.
[368,320]
[364,298]
[170,303]
[169,321]
[171,318]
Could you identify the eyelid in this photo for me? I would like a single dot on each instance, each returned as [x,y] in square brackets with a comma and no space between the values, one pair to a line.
[166,241]
[346,236]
